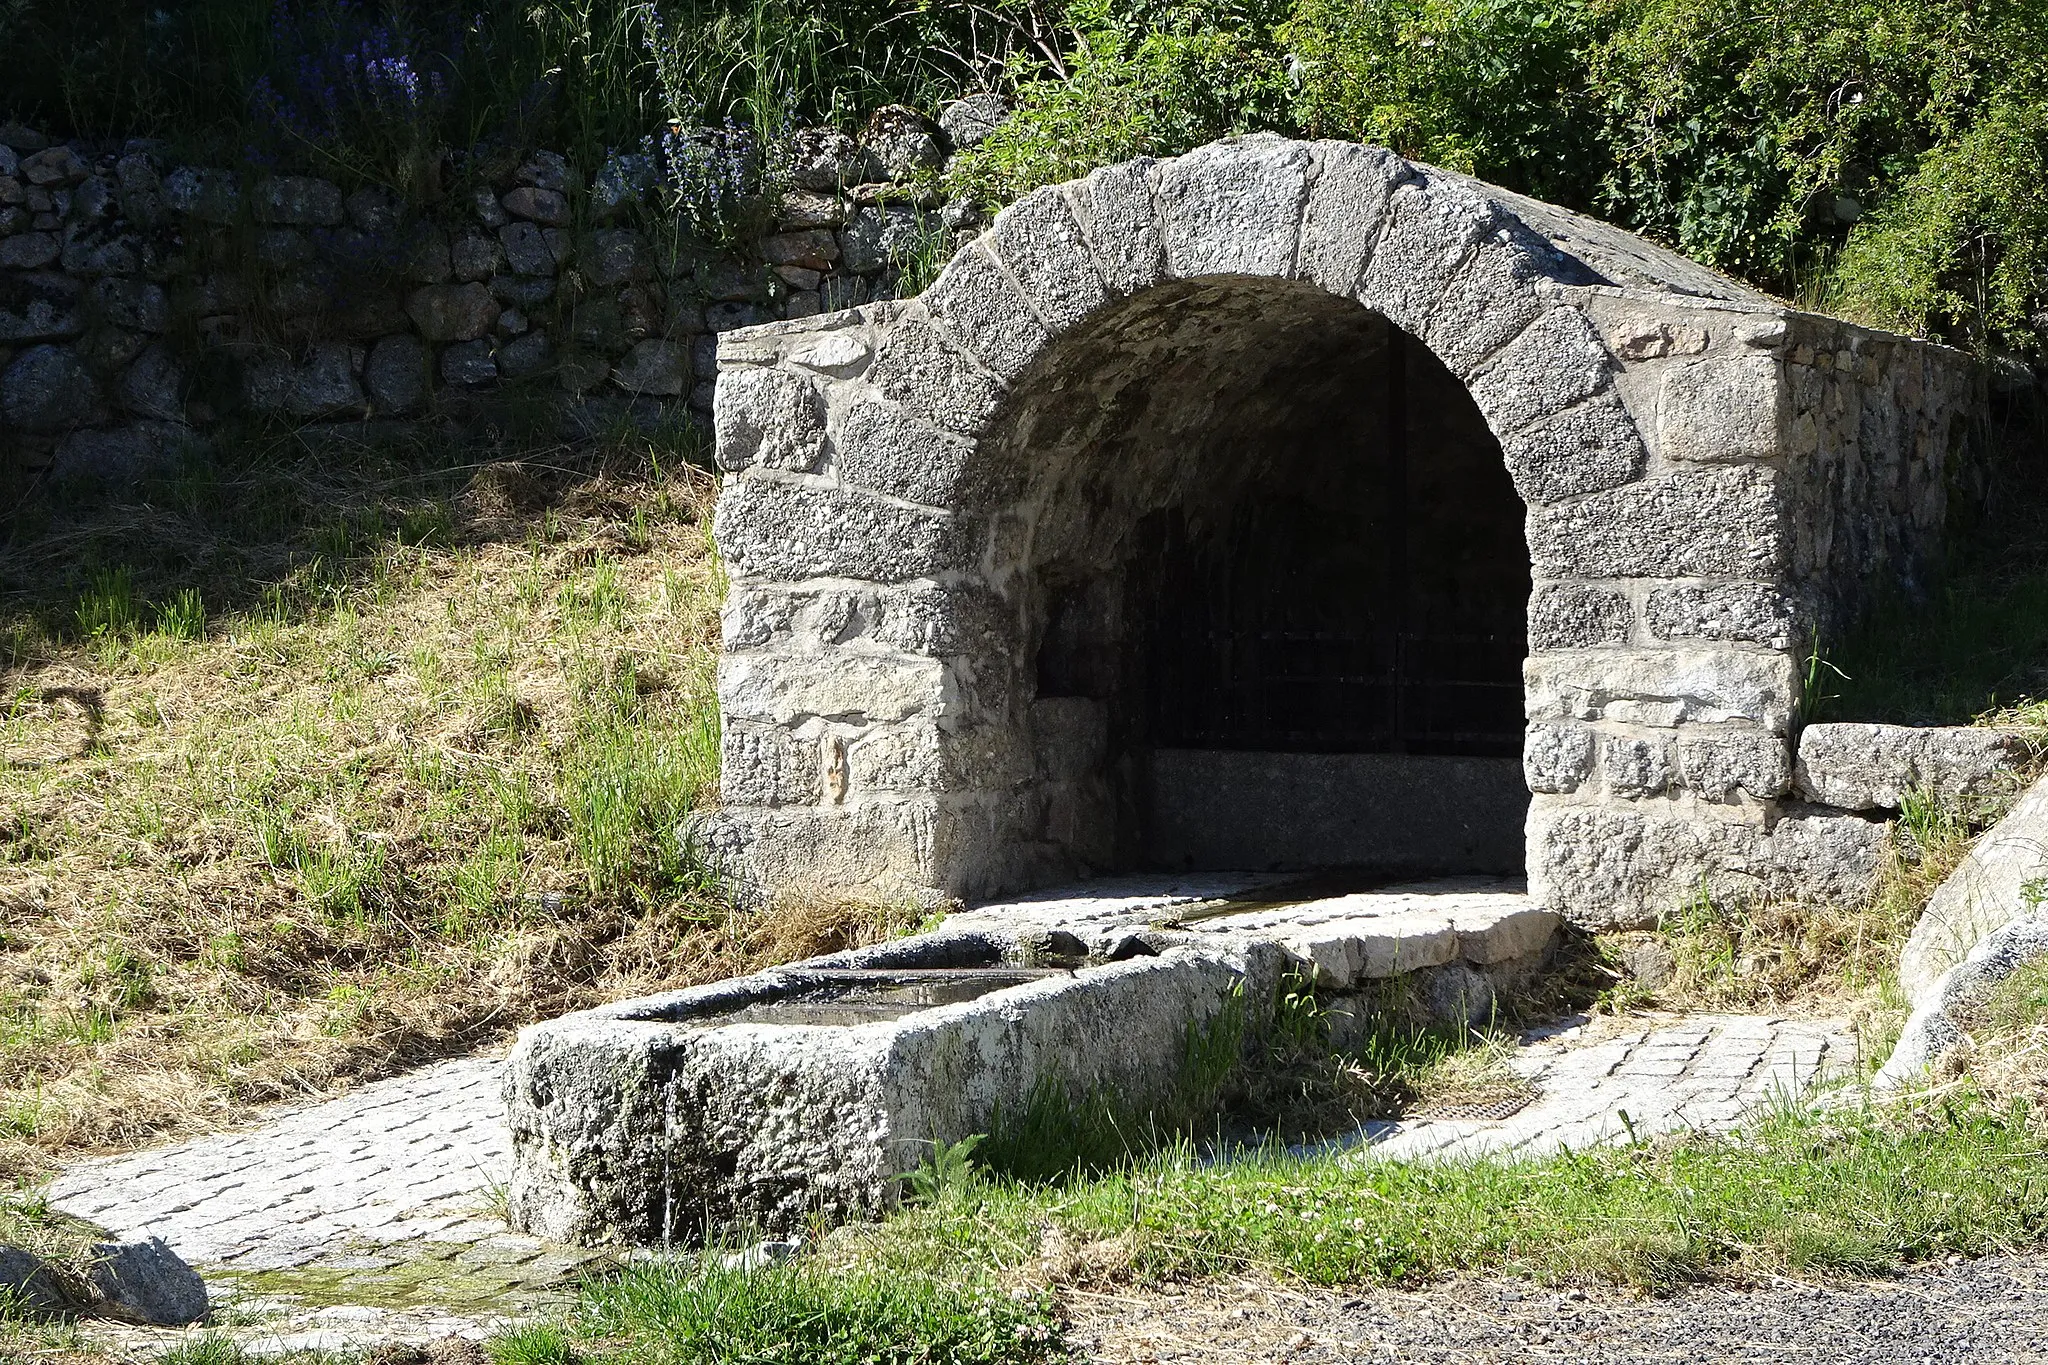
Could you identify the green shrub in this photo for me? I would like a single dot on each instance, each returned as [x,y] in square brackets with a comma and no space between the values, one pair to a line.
[1140,79]
[1490,87]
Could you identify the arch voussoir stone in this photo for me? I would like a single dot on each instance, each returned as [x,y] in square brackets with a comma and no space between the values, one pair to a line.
[1234,208]
[1431,231]
[1555,362]
[932,482]
[1040,242]
[1588,447]
[932,376]
[979,302]
[1121,225]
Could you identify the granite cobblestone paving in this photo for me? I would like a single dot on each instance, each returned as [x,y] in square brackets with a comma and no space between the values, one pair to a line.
[368,1218]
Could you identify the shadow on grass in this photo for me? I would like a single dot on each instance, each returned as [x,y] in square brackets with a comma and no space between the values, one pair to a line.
[280,523]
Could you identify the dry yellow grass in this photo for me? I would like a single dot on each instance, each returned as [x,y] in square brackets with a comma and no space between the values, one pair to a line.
[413,779]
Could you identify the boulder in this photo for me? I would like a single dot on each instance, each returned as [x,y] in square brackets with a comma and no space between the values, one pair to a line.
[90,250]
[47,389]
[29,250]
[22,138]
[655,367]
[460,312]
[155,384]
[135,304]
[474,257]
[617,256]
[396,374]
[875,236]
[809,209]
[197,192]
[1935,1029]
[522,291]
[323,386]
[54,166]
[902,143]
[812,248]
[375,209]
[968,122]
[1876,767]
[550,208]
[548,171]
[2001,880]
[117,454]
[530,354]
[298,201]
[39,308]
[146,1282]
[27,1280]
[825,159]
[468,362]
[526,249]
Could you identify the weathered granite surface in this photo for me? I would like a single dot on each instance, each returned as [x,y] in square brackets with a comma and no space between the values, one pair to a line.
[142,302]
[654,1120]
[1875,767]
[767,1101]
[2002,879]
[1709,477]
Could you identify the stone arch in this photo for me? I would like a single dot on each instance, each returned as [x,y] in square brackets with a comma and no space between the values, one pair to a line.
[875,517]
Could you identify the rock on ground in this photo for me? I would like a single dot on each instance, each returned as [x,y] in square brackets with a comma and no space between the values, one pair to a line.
[2000,880]
[145,1281]
[25,1278]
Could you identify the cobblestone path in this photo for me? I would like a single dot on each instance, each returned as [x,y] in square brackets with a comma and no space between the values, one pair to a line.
[370,1217]
[1602,1081]
[363,1219]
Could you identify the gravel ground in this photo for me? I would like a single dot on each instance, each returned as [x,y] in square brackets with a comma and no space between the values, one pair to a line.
[1985,1312]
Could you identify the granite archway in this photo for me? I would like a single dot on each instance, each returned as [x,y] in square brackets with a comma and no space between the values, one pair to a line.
[901,475]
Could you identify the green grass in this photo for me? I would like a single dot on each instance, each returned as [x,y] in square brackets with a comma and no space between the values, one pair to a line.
[974,1274]
[804,1313]
[211,1348]
[317,761]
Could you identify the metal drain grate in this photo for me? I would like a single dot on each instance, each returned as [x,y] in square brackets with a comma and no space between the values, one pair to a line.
[1505,1107]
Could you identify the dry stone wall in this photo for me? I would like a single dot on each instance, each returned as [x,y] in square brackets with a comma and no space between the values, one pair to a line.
[1710,476]
[143,302]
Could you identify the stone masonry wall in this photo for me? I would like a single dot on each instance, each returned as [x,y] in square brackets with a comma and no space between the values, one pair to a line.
[898,471]
[143,302]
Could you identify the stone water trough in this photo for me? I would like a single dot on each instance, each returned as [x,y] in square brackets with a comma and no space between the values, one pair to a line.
[811,1090]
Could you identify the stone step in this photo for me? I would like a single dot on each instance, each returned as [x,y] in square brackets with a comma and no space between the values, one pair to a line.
[1343,939]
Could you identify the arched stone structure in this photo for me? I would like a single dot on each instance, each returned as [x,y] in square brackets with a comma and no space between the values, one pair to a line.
[919,494]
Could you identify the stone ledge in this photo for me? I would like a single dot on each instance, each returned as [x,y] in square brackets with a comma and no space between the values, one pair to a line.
[1877,767]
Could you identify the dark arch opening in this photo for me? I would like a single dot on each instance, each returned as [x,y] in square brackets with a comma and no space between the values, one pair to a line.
[1272,591]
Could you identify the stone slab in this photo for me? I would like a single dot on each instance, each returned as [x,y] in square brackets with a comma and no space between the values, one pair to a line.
[1877,767]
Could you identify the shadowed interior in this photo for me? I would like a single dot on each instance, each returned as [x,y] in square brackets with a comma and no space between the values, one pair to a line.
[1271,584]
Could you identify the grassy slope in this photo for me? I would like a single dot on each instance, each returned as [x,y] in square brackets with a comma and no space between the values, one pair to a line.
[413,779]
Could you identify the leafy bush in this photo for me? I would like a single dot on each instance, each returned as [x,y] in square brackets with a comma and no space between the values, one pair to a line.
[1880,156]
[1962,245]
[1141,79]
[1488,87]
